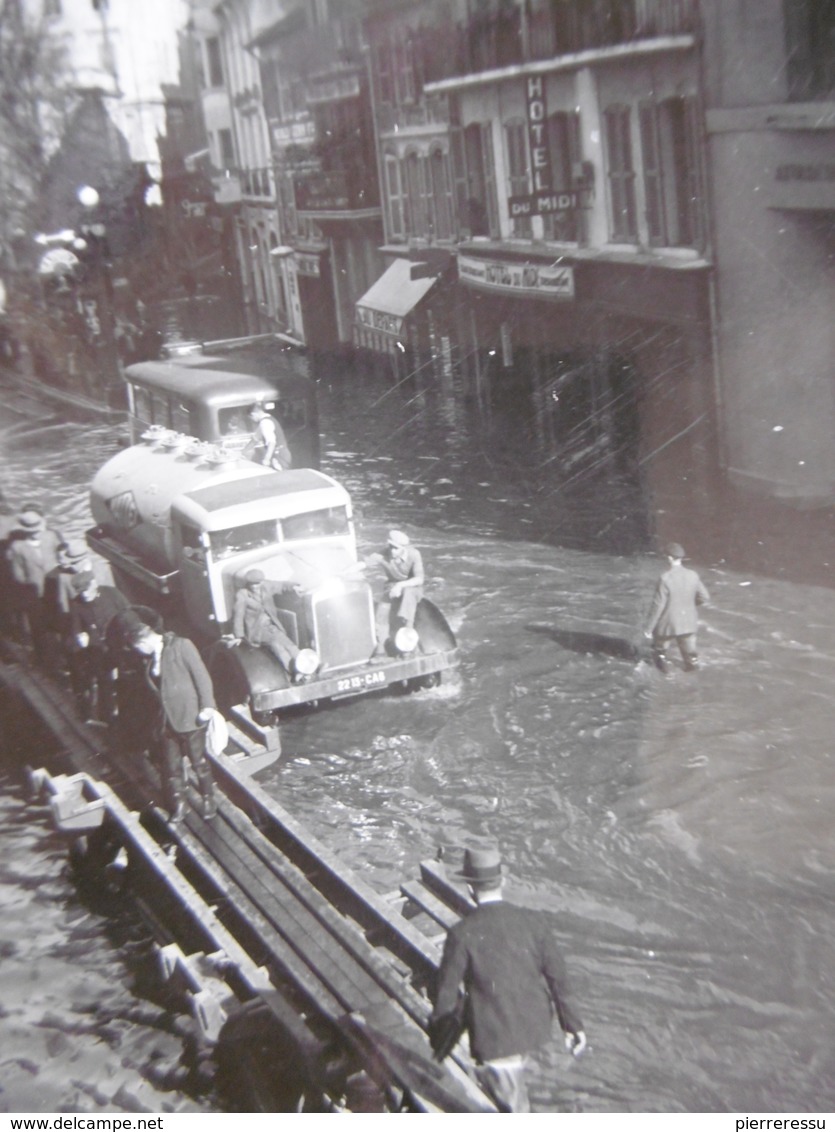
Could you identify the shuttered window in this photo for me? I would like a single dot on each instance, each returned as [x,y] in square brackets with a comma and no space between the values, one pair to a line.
[621,174]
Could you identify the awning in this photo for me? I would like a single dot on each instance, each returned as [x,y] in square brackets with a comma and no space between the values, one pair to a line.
[389,301]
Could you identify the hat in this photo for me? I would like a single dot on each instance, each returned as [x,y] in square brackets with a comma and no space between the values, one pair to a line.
[674,550]
[32,521]
[75,550]
[398,539]
[253,577]
[481,866]
[80,582]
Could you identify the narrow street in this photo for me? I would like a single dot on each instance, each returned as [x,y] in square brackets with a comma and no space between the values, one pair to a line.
[677,828]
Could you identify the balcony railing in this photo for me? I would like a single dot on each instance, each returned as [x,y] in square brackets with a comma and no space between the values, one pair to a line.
[544,29]
[335,191]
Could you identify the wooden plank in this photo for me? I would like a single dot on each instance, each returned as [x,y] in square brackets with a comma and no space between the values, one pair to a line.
[420,895]
[454,895]
[309,852]
[350,937]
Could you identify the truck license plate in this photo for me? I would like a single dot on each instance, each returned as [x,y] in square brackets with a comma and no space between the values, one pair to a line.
[359,683]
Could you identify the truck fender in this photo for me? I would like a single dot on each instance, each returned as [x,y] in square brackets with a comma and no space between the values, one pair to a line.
[241,671]
[432,628]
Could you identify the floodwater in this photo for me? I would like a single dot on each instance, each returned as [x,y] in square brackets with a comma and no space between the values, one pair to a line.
[677,828]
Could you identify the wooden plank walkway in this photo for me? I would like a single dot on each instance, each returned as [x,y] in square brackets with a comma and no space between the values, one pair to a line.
[336,964]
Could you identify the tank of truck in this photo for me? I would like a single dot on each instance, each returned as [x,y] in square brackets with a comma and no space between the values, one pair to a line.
[131,495]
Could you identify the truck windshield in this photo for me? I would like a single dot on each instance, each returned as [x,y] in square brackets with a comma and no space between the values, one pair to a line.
[315,524]
[249,536]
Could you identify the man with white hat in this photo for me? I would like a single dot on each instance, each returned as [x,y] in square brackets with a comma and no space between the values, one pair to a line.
[403,567]
[506,960]
[673,616]
[31,555]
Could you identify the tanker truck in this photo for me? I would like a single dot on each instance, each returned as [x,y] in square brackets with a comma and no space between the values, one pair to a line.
[182,521]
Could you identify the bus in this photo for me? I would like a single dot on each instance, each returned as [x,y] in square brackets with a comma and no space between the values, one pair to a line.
[207,389]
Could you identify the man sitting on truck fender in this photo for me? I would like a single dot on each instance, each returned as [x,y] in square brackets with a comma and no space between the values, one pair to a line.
[255,620]
[403,567]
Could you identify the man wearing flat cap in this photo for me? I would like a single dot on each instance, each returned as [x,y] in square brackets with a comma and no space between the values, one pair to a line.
[673,616]
[403,567]
[506,962]
[256,621]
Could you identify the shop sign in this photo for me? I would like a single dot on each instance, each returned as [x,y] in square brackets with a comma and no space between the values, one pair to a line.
[544,204]
[540,158]
[379,320]
[307,264]
[803,184]
[519,278]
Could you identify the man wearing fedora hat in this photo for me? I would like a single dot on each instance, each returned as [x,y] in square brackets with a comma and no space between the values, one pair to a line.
[507,963]
[673,615]
[403,566]
[32,553]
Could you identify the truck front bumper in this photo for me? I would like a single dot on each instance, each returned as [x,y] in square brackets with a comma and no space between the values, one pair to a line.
[358,681]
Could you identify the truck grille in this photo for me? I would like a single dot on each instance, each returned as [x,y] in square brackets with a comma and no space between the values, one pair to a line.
[344,626]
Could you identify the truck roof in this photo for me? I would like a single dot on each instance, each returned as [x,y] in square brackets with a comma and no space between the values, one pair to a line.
[238,501]
[205,379]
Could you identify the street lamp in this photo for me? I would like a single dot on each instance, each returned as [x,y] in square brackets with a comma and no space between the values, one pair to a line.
[97,305]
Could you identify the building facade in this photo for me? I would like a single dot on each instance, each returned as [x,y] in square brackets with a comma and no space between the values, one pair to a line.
[318,107]
[770,118]
[577,198]
[258,236]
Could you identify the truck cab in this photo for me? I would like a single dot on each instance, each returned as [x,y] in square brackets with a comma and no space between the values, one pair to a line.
[182,522]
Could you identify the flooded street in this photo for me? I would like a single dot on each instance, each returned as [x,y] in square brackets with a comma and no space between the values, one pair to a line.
[678,828]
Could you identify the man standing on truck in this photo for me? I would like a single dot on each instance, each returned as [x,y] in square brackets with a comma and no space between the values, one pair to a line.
[256,621]
[186,700]
[268,444]
[403,567]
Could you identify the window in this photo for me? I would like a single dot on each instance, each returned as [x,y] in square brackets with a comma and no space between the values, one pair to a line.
[227,148]
[810,48]
[624,219]
[441,195]
[215,66]
[671,169]
[475,180]
[180,417]
[517,172]
[394,193]
[415,185]
[251,536]
[52,9]
[563,134]
[316,524]
[142,405]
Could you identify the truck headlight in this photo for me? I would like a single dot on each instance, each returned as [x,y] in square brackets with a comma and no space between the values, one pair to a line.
[406,639]
[307,662]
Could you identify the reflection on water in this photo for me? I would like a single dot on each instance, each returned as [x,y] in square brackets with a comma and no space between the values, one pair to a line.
[679,829]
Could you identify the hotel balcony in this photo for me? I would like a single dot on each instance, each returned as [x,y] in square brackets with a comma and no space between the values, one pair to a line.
[546,29]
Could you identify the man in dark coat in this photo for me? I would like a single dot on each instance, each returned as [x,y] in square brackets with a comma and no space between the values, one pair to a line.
[673,614]
[176,672]
[507,963]
[94,667]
